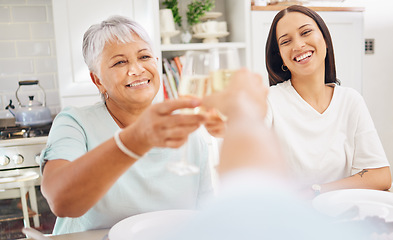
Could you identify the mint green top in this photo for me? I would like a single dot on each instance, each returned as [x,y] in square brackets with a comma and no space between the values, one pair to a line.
[146,186]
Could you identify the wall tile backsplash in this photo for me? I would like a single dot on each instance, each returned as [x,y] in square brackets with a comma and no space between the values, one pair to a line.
[27,50]
[29,14]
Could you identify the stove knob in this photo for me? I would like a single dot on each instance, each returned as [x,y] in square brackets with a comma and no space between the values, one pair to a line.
[18,159]
[4,160]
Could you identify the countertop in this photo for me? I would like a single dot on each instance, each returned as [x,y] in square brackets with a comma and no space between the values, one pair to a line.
[7,122]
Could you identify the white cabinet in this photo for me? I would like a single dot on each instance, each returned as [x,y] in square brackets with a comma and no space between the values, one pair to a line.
[73,17]
[346,30]
[237,15]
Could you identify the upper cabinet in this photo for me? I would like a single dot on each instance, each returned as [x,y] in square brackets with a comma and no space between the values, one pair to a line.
[73,17]
[346,29]
[237,15]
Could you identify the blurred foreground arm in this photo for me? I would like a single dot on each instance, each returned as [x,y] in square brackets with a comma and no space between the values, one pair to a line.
[248,143]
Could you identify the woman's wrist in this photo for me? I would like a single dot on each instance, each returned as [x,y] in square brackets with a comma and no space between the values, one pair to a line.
[123,147]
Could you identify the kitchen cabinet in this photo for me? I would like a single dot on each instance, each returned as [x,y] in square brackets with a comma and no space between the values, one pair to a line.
[237,15]
[346,29]
[73,17]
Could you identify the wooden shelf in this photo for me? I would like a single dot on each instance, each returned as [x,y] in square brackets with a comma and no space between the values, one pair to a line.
[200,46]
[278,7]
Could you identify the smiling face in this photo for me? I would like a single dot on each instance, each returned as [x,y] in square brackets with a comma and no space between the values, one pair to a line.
[128,73]
[301,44]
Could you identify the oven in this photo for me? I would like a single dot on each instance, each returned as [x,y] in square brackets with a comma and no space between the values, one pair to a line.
[21,201]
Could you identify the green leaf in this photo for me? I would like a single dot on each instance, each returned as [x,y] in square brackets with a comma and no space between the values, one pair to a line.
[197,9]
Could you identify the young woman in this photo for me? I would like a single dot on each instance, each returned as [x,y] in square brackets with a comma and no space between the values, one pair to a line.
[325,130]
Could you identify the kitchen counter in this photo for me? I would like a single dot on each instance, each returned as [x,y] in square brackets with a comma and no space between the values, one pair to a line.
[7,122]
[278,7]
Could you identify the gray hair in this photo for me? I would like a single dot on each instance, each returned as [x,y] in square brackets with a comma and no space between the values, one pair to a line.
[115,28]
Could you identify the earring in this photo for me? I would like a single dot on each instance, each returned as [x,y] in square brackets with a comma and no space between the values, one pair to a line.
[129,74]
[106,95]
[284,68]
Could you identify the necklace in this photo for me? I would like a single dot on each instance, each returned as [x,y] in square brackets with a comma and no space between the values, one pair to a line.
[121,125]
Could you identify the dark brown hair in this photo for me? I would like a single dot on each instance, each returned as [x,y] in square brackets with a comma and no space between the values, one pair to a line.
[274,60]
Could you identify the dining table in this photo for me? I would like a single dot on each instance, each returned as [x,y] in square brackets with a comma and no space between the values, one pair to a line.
[150,225]
[100,234]
[356,207]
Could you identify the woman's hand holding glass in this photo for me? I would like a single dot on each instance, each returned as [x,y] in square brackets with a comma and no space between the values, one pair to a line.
[248,143]
[158,127]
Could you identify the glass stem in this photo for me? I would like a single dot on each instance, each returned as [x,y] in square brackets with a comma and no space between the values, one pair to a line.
[184,152]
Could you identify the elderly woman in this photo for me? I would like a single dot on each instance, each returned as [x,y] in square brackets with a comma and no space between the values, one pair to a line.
[92,179]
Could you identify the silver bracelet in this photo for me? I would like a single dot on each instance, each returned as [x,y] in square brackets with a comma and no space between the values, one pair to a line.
[123,148]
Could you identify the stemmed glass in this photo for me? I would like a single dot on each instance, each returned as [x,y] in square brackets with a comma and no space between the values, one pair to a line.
[194,83]
[203,73]
[224,62]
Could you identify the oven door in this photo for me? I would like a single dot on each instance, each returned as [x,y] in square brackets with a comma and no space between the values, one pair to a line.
[11,214]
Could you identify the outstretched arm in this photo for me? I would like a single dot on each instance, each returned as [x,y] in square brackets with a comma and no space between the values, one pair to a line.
[72,188]
[378,178]
[248,143]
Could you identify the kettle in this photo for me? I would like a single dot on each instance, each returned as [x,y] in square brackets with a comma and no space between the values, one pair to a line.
[33,113]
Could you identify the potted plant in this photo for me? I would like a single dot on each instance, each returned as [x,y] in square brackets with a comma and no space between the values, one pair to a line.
[173,5]
[195,10]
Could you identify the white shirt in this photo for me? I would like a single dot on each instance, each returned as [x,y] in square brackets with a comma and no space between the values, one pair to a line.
[325,147]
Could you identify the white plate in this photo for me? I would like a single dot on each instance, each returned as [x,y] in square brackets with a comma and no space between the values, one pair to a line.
[369,202]
[149,226]
[210,15]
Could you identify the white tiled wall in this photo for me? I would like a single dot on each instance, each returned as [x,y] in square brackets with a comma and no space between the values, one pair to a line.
[27,50]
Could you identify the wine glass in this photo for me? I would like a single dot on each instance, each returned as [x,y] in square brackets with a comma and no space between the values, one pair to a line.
[203,73]
[223,63]
[194,83]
